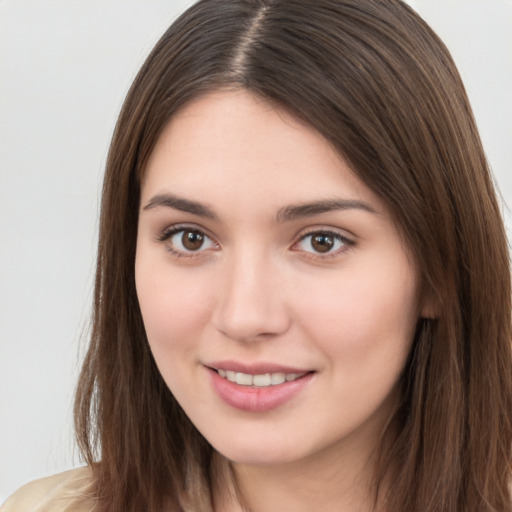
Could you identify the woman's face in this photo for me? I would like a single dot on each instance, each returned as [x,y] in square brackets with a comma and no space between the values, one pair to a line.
[278,299]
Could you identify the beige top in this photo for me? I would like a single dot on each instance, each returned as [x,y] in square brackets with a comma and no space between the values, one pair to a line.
[64,492]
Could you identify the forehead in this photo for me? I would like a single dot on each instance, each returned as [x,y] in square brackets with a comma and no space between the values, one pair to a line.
[240,142]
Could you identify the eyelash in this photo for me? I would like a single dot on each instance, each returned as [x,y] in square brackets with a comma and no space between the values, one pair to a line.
[171,231]
[346,243]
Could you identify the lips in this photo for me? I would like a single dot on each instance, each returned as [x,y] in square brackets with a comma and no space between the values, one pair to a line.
[257,388]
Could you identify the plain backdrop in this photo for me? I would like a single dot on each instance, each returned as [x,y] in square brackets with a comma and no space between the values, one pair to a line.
[65,66]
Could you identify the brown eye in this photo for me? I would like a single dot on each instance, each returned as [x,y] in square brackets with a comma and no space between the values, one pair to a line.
[192,240]
[187,241]
[322,242]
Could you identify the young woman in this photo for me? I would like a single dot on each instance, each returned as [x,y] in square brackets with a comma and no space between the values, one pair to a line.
[303,293]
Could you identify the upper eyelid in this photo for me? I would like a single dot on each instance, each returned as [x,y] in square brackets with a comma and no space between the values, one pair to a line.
[345,239]
[328,231]
[343,233]
[176,228]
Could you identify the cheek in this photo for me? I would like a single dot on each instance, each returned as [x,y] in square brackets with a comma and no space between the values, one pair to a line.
[363,321]
[173,309]
[365,330]
[174,312]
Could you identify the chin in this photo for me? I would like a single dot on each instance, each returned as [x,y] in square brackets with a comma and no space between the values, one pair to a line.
[260,451]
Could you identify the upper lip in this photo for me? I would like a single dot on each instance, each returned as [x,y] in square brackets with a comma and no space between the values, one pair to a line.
[254,368]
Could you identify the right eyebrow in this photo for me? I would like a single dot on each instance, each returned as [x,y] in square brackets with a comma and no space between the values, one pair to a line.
[181,204]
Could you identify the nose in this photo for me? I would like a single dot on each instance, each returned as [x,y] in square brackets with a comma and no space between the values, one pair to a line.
[251,301]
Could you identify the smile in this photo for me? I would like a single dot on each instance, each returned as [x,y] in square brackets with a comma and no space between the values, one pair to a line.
[259,388]
[261,381]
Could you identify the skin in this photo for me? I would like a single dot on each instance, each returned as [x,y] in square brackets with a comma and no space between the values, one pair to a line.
[258,290]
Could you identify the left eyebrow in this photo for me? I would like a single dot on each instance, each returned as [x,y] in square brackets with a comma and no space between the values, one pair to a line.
[300,211]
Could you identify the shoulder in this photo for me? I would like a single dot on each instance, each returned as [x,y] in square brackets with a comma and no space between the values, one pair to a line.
[58,493]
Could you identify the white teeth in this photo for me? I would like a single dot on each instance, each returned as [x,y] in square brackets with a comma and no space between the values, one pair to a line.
[277,378]
[244,379]
[262,381]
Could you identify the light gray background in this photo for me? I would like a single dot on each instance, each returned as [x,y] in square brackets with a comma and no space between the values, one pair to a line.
[65,66]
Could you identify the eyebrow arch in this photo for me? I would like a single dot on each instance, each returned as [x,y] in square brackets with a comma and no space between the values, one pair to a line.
[180,203]
[300,211]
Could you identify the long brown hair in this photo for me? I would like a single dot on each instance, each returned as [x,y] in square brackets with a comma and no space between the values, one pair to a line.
[375,80]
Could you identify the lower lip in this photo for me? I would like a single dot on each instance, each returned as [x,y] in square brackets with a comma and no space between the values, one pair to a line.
[255,399]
